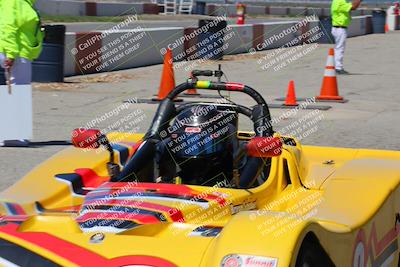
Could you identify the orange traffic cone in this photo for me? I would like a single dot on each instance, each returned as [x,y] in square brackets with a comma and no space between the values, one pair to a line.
[191,92]
[386,28]
[167,83]
[291,95]
[329,88]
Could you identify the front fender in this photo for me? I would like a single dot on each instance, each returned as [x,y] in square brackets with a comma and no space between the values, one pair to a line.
[269,234]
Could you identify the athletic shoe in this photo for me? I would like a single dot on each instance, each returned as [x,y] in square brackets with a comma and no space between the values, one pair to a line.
[342,72]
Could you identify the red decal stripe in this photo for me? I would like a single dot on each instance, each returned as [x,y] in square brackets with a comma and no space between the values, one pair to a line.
[234,86]
[139,218]
[170,189]
[79,255]
[373,244]
[380,245]
[15,218]
[90,178]
[15,208]
[175,214]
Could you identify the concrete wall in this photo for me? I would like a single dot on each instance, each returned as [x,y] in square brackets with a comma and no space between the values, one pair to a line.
[68,8]
[94,52]
[229,10]
[220,10]
[358,26]
[148,47]
[315,11]
[298,11]
[101,51]
[79,8]
[111,9]
[241,41]
[255,10]
[278,10]
[69,58]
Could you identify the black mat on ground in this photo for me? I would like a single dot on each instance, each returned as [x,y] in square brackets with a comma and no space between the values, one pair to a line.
[27,143]
[151,101]
[300,106]
[300,99]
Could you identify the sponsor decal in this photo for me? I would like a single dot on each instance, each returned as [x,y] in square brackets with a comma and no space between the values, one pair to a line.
[192,130]
[380,252]
[232,261]
[237,260]
[14,208]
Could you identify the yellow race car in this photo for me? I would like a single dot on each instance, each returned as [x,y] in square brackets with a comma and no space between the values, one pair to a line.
[196,191]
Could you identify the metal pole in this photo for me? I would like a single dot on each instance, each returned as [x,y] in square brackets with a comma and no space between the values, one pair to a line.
[8,80]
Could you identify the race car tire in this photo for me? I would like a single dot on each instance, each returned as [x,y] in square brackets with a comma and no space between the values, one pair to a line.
[313,255]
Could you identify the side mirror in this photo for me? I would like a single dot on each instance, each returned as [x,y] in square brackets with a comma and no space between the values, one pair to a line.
[86,138]
[93,139]
[264,147]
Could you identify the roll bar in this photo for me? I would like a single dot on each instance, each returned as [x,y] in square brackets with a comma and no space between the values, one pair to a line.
[260,114]
[218,86]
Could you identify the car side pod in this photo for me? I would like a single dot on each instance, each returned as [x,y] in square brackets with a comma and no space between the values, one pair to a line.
[264,147]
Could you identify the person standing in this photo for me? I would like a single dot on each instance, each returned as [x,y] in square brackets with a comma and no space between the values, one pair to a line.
[21,39]
[341,18]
